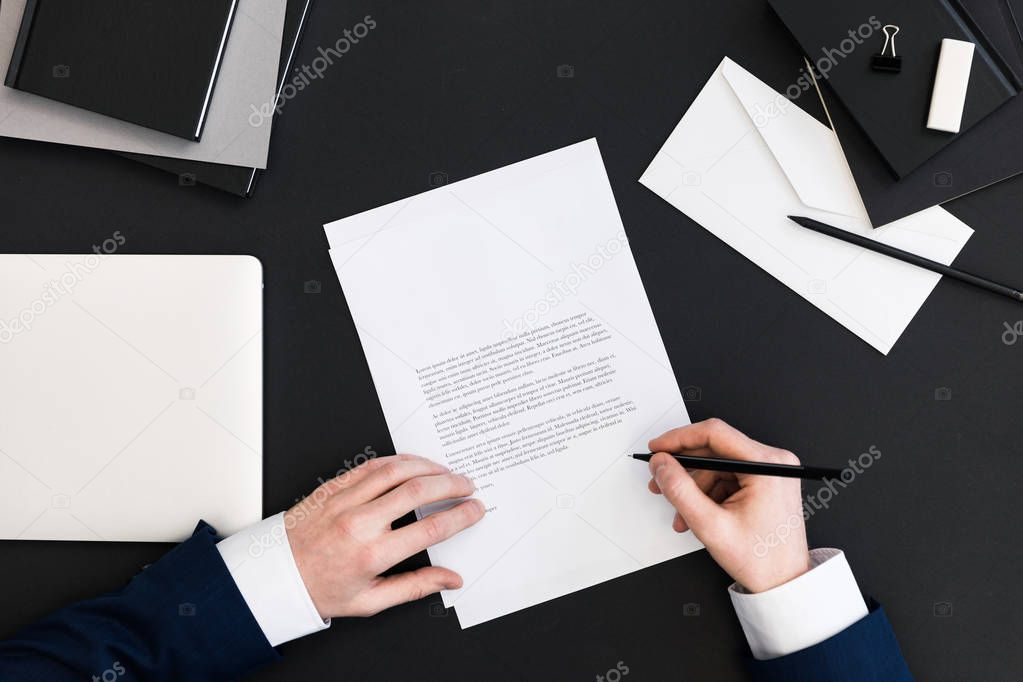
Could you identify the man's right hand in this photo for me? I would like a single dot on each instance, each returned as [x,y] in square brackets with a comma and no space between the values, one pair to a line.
[732,514]
[342,540]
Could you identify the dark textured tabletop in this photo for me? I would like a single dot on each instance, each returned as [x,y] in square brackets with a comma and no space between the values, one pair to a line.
[440,91]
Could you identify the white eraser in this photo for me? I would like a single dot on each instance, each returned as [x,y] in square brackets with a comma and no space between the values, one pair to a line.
[950,82]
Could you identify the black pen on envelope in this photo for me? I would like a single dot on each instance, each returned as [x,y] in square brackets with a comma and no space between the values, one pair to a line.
[741,466]
[906,256]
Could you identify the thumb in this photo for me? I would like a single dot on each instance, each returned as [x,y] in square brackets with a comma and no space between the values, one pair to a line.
[697,510]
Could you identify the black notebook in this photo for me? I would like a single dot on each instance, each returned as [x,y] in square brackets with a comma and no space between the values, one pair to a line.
[149,62]
[842,37]
[992,151]
[236,179]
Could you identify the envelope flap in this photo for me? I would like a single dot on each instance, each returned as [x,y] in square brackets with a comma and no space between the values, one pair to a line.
[807,151]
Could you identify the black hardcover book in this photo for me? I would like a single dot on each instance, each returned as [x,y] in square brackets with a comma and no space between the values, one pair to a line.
[841,38]
[236,179]
[149,62]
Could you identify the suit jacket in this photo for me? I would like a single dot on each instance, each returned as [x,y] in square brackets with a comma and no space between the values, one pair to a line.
[866,651]
[182,618]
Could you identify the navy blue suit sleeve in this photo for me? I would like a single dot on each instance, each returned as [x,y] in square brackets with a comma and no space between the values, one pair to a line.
[866,651]
[182,618]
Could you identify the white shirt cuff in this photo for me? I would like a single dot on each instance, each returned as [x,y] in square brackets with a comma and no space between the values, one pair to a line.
[262,565]
[802,612]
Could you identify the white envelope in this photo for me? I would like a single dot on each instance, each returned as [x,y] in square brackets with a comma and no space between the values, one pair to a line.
[744,157]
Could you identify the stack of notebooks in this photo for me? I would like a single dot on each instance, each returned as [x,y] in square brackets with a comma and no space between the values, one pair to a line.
[170,83]
[900,165]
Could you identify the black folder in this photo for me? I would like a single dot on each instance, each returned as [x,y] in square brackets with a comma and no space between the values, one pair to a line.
[990,152]
[149,62]
[236,179]
[892,108]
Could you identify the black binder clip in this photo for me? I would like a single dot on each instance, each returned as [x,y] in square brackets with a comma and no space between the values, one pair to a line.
[884,61]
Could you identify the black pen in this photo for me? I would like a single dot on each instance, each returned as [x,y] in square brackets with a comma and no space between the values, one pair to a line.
[906,257]
[741,466]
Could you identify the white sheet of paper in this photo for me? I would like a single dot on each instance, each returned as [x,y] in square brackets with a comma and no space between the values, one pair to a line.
[510,338]
[743,157]
[248,77]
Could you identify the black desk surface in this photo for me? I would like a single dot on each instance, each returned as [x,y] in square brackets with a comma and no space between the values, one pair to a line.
[457,88]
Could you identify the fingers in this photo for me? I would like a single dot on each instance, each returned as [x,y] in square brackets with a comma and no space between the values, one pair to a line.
[348,478]
[723,489]
[406,587]
[400,544]
[718,486]
[418,492]
[713,434]
[390,475]
[705,479]
[697,511]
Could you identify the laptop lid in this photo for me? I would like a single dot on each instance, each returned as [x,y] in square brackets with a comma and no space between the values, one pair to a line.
[130,396]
